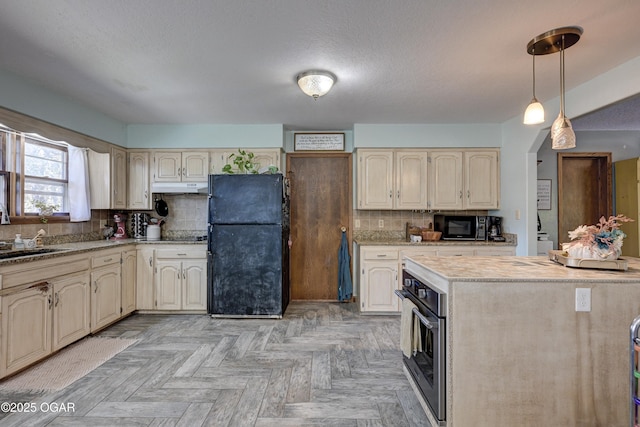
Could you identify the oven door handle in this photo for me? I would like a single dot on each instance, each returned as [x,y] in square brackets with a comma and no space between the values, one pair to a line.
[426,322]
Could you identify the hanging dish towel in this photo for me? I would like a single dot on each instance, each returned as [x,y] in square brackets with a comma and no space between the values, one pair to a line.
[406,327]
[345,287]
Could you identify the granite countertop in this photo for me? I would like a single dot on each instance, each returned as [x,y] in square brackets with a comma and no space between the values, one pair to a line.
[64,249]
[398,242]
[517,269]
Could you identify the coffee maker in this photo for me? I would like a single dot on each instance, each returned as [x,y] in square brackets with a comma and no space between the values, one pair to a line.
[495,229]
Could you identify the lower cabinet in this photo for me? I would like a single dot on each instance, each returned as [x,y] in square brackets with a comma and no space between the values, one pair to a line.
[129,271]
[181,279]
[144,278]
[378,280]
[40,318]
[106,283]
[381,270]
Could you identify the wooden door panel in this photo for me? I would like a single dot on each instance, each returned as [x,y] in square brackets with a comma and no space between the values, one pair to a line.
[584,190]
[320,206]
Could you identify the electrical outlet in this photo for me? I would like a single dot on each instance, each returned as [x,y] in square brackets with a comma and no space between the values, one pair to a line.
[583,299]
[357,223]
[381,223]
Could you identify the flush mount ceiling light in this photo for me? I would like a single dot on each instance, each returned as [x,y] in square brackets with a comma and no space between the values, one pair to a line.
[316,83]
[557,40]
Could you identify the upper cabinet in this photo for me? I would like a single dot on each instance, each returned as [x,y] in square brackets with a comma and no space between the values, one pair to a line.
[263,157]
[118,178]
[138,197]
[392,179]
[188,166]
[406,179]
[464,179]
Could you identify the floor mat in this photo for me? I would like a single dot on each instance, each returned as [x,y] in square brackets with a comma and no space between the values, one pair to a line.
[68,365]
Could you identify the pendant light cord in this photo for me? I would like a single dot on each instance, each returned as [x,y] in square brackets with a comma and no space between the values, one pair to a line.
[562,77]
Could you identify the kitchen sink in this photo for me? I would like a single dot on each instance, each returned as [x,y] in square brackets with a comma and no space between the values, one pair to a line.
[8,254]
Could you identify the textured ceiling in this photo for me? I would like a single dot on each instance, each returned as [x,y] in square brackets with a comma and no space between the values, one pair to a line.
[235,62]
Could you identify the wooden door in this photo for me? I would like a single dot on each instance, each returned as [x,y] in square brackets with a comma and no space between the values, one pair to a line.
[320,204]
[584,190]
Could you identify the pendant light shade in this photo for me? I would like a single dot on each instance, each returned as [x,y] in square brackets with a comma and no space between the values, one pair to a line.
[562,134]
[316,83]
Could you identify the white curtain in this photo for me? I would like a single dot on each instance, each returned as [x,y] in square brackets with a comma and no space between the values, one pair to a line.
[78,189]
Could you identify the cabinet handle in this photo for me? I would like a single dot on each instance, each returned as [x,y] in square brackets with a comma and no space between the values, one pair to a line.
[461,194]
[179,171]
[181,254]
[468,194]
[49,299]
[184,274]
[146,196]
[381,255]
[108,260]
[184,171]
[391,194]
[57,299]
[95,287]
[398,194]
[150,262]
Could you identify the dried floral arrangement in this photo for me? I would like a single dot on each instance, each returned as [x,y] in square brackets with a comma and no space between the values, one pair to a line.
[604,239]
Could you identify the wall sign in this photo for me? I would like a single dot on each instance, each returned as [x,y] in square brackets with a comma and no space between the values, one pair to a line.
[319,142]
[544,194]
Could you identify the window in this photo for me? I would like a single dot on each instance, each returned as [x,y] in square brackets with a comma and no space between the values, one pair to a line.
[45,175]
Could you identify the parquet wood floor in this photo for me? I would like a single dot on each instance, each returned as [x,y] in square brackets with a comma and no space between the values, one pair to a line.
[323,364]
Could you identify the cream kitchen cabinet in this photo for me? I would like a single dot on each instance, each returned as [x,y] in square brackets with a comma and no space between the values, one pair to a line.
[26,327]
[392,179]
[118,178]
[145,278]
[44,308]
[106,292]
[181,278]
[263,157]
[139,196]
[464,179]
[379,280]
[129,271]
[71,309]
[175,166]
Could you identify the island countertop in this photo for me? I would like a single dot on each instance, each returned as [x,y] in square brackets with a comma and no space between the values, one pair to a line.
[517,269]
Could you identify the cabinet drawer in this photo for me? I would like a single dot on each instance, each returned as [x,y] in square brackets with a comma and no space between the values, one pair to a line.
[105,259]
[380,254]
[181,252]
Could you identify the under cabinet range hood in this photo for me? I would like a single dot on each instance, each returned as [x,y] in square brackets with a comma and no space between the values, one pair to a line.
[179,187]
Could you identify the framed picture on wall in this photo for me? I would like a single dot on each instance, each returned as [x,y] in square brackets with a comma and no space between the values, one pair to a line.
[544,194]
[319,141]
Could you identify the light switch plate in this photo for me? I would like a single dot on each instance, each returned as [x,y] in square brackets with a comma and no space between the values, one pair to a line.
[583,299]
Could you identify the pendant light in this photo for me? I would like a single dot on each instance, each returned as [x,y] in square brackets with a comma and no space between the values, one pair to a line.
[557,40]
[534,114]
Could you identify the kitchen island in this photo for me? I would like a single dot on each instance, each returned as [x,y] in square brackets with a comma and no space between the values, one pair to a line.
[518,352]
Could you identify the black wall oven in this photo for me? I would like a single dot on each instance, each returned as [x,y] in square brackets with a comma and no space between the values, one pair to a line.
[428,367]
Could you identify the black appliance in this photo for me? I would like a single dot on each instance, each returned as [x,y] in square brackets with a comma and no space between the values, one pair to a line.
[494,225]
[247,243]
[461,227]
[428,367]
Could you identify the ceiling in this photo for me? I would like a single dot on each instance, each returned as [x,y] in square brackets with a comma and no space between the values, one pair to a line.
[235,62]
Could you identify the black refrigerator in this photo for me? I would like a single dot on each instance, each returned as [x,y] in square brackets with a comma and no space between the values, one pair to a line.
[247,246]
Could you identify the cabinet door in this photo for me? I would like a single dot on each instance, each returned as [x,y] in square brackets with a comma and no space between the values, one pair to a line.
[265,158]
[118,178]
[26,327]
[217,160]
[375,179]
[71,309]
[138,197]
[105,296]
[411,180]
[129,265]
[445,180]
[194,286]
[195,166]
[379,280]
[481,180]
[168,285]
[167,166]
[144,279]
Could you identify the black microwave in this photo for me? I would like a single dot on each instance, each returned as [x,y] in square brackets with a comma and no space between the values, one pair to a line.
[462,227]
